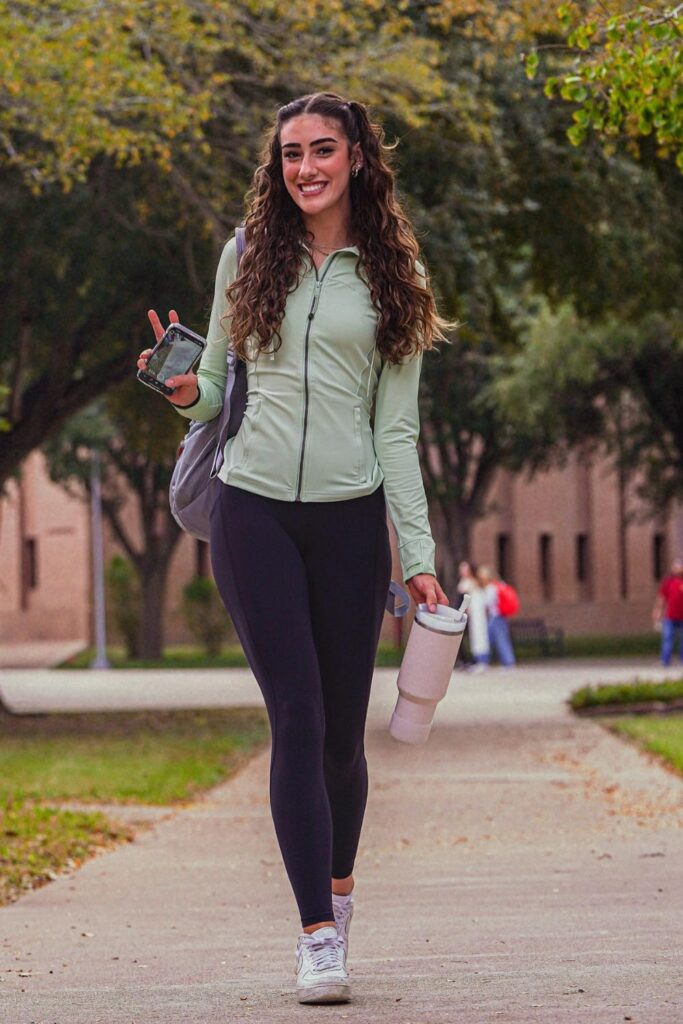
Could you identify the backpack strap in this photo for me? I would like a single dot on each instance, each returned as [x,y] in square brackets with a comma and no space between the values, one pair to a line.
[240,237]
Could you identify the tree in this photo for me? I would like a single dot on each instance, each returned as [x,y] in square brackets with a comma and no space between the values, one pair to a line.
[178,84]
[608,386]
[137,434]
[511,212]
[77,275]
[625,77]
[149,117]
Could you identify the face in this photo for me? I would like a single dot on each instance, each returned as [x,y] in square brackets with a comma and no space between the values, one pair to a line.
[677,567]
[316,164]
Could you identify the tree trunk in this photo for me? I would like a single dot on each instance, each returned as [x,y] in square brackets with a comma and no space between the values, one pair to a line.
[455,536]
[153,582]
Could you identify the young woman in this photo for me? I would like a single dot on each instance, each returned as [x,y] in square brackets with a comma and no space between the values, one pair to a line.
[331,310]
[499,631]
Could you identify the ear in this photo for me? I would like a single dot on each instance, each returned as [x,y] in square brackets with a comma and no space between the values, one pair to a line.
[357,155]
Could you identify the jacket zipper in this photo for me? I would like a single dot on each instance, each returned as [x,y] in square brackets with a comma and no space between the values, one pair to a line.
[311,314]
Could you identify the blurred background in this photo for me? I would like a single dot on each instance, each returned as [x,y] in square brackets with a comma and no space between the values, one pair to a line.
[539,154]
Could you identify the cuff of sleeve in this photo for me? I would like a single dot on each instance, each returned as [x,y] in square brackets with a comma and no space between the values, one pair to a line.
[181,408]
[417,556]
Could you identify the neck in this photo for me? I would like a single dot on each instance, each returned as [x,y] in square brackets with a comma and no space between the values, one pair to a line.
[330,229]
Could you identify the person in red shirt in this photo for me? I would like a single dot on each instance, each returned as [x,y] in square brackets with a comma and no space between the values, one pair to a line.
[668,610]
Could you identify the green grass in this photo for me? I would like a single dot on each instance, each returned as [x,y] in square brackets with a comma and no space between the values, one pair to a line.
[662,736]
[158,757]
[145,757]
[174,657]
[232,656]
[38,842]
[626,693]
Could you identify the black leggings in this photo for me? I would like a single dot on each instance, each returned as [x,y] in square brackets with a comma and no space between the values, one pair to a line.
[305,584]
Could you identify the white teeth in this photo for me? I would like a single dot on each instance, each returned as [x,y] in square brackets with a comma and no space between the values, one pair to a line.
[306,189]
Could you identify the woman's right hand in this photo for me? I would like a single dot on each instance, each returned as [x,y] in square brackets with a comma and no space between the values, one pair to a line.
[185,384]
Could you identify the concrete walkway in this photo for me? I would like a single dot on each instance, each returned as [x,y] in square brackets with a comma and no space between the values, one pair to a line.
[38,653]
[523,866]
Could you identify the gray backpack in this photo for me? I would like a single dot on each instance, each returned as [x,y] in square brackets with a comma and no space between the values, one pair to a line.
[200,453]
[200,456]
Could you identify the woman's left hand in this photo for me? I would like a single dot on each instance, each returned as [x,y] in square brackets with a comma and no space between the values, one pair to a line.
[425,589]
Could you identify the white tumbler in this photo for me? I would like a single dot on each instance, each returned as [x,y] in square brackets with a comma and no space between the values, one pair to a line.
[426,669]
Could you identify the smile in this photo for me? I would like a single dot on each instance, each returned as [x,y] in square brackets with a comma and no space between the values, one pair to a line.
[313,189]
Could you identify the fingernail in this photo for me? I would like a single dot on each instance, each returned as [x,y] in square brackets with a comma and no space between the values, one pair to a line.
[170,383]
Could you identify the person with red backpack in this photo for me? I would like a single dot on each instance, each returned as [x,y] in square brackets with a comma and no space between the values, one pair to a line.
[501,603]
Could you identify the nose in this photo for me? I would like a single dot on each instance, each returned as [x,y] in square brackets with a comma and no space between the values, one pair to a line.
[308,167]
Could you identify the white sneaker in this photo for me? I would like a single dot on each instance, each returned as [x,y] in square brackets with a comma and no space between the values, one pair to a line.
[321,975]
[343,912]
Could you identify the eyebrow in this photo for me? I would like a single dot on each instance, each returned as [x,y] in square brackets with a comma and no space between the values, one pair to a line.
[316,142]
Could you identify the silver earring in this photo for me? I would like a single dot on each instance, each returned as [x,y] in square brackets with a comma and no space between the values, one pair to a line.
[355,169]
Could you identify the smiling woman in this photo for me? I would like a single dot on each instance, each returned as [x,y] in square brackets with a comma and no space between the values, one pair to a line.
[331,310]
[318,166]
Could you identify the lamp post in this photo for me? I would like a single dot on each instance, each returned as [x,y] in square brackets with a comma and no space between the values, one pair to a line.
[100,660]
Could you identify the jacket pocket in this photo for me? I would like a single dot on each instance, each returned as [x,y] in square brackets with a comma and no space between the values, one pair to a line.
[358,444]
[247,429]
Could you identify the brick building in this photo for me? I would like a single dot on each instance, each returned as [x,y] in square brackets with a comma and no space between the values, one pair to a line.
[575,546]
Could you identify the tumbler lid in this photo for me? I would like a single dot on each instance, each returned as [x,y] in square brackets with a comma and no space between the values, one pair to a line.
[445,619]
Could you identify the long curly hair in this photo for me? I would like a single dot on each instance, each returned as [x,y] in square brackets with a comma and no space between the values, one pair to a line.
[272,262]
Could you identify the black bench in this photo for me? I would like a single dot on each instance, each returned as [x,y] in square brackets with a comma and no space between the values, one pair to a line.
[534,632]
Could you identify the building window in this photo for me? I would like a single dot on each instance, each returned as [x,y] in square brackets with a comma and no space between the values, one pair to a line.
[659,559]
[503,561]
[545,562]
[583,566]
[30,563]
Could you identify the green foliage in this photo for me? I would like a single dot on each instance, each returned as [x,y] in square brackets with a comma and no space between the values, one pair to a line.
[606,386]
[205,614]
[625,76]
[143,81]
[124,600]
[662,736]
[626,693]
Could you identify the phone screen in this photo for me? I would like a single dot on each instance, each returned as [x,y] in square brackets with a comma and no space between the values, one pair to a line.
[176,354]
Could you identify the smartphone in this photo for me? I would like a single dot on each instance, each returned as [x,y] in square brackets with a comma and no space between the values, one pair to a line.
[175,353]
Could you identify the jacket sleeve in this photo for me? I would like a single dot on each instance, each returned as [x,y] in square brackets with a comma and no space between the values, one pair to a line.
[212,373]
[396,430]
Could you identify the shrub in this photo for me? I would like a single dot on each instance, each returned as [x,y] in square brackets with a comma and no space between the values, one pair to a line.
[626,693]
[123,592]
[205,615]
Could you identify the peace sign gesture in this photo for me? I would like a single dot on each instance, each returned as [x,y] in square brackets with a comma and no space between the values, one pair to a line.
[185,384]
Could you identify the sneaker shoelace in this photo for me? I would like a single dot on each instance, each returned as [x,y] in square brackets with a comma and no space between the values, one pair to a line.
[324,953]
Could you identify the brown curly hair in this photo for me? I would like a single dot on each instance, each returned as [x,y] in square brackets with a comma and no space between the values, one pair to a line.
[274,230]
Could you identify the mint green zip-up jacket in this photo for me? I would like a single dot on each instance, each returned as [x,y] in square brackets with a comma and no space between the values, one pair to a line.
[326,418]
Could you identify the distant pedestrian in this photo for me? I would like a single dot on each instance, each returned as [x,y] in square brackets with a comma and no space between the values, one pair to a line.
[498,629]
[668,611]
[467,579]
[467,584]
[479,648]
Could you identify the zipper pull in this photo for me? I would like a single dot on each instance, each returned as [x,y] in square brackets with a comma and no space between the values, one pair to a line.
[316,297]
